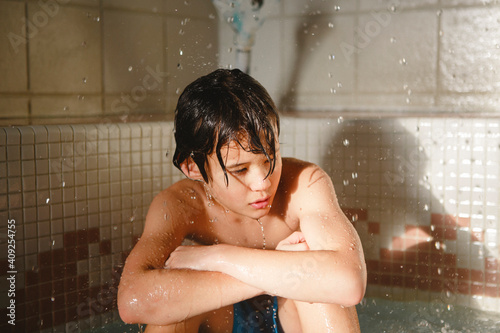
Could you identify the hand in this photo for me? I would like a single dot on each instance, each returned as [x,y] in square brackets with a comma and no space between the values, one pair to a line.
[294,242]
[191,257]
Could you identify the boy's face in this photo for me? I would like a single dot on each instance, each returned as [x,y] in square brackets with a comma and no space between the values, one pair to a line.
[249,192]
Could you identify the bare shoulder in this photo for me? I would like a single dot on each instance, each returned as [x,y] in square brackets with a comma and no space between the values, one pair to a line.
[308,185]
[302,172]
[167,224]
[177,202]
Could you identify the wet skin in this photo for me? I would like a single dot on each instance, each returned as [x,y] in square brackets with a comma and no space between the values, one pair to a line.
[220,213]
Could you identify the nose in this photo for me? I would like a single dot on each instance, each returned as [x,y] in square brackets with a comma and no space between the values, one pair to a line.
[259,181]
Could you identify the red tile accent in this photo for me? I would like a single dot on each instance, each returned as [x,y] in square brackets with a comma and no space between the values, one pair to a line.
[372,265]
[463,274]
[477,288]
[410,269]
[385,254]
[423,270]
[412,243]
[82,252]
[374,228]
[463,287]
[438,233]
[385,280]
[437,258]
[423,283]
[82,237]
[476,276]
[463,222]
[450,273]
[491,264]
[93,235]
[492,277]
[437,219]
[397,281]
[105,247]
[398,243]
[385,266]
[69,239]
[425,246]
[398,268]
[411,282]
[45,259]
[450,260]
[491,291]
[436,285]
[411,257]
[372,278]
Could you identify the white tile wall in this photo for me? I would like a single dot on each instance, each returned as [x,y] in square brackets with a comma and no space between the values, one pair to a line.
[415,56]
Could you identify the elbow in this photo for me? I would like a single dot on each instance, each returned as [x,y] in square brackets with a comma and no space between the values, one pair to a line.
[355,288]
[126,308]
[357,292]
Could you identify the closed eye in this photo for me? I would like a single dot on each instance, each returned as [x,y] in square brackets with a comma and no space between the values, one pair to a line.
[239,171]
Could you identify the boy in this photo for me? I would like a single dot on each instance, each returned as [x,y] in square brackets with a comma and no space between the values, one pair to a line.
[268,225]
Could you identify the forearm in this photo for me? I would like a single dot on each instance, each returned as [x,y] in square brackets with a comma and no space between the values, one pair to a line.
[311,276]
[166,296]
[331,318]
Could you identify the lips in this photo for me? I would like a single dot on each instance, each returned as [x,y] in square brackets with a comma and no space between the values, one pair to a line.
[260,204]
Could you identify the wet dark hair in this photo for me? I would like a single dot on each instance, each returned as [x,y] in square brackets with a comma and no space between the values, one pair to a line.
[221,107]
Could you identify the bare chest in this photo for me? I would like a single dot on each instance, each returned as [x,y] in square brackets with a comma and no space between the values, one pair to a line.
[264,233]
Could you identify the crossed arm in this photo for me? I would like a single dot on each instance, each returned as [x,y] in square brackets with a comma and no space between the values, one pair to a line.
[198,279]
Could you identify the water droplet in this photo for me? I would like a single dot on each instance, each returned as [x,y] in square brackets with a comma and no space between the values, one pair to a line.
[330,25]
[340,120]
[337,8]
[52,299]
[346,142]
[346,182]
[393,40]
[47,200]
[331,57]
[439,12]
[426,208]
[181,52]
[192,222]
[354,175]
[354,217]
[403,62]
[130,68]
[84,80]
[211,16]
